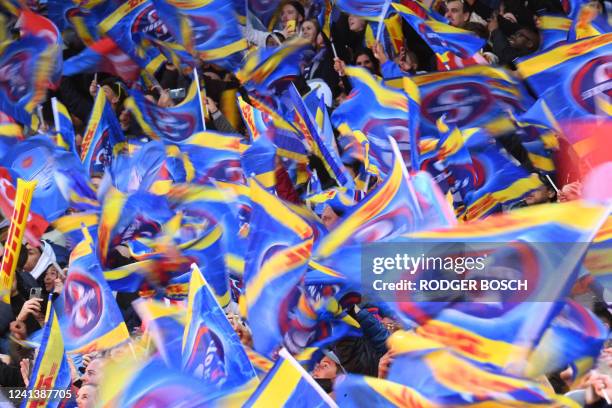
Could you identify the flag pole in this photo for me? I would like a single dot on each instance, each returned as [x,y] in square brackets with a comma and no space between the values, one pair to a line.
[381,20]
[55,114]
[398,156]
[197,81]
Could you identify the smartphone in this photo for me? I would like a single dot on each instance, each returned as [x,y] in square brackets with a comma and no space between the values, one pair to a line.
[291,26]
[35,293]
[178,93]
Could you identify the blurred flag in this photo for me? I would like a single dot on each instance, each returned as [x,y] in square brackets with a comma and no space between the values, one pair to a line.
[379,112]
[37,158]
[36,224]
[26,69]
[259,161]
[553,30]
[33,24]
[88,313]
[437,367]
[172,124]
[213,156]
[12,248]
[130,25]
[392,35]
[211,348]
[353,389]
[165,325]
[263,10]
[369,9]
[476,96]
[10,132]
[575,337]
[280,243]
[103,135]
[598,259]
[208,29]
[266,68]
[541,245]
[442,38]
[577,64]
[63,126]
[103,56]
[588,23]
[288,384]
[51,371]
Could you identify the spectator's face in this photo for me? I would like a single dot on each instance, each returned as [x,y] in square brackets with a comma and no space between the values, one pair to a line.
[86,397]
[364,61]
[356,24]
[110,95]
[522,40]
[93,372]
[50,277]
[325,369]
[288,12]
[539,196]
[455,14]
[309,31]
[329,217]
[33,257]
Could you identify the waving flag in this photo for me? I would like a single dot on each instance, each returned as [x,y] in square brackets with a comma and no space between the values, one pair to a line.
[63,126]
[266,67]
[541,244]
[165,324]
[578,65]
[370,9]
[51,370]
[88,314]
[103,56]
[389,113]
[26,67]
[259,162]
[102,136]
[553,30]
[392,37]
[213,156]
[442,38]
[437,366]
[38,159]
[206,28]
[288,384]
[173,124]
[280,243]
[476,96]
[211,348]
[598,259]
[588,23]
[264,11]
[130,26]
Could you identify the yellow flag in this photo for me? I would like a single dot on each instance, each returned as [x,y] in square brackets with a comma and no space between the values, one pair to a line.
[23,199]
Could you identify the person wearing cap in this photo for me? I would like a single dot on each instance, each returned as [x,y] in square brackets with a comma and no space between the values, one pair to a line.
[328,368]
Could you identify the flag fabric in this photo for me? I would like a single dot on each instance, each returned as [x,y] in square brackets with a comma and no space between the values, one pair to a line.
[369,9]
[173,124]
[26,67]
[577,64]
[103,135]
[38,159]
[442,38]
[103,56]
[211,348]
[165,325]
[505,331]
[36,223]
[353,389]
[88,313]
[63,126]
[389,112]
[263,11]
[466,101]
[437,367]
[50,370]
[588,23]
[259,162]
[208,29]
[10,132]
[213,156]
[130,25]
[279,248]
[12,248]
[288,384]
[598,259]
[553,30]
[392,37]
[266,68]
[37,26]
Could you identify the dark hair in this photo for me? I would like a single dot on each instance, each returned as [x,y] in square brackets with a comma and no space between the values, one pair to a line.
[118,89]
[297,5]
[477,29]
[370,54]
